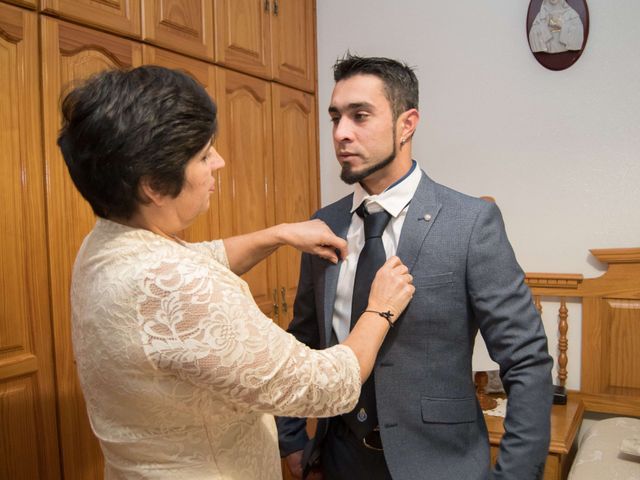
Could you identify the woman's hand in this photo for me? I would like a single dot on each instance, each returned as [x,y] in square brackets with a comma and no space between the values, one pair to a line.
[391,289]
[315,237]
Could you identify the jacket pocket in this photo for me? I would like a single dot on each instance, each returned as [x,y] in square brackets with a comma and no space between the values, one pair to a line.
[430,281]
[448,410]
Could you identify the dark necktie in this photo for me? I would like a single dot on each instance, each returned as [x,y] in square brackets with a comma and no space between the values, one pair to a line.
[364,417]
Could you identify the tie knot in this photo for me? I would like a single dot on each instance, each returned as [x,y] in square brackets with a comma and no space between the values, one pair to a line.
[374,223]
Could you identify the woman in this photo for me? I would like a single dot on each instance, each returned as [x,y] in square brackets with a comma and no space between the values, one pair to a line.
[180,369]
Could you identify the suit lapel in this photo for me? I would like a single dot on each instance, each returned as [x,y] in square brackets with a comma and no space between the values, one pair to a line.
[421,215]
[339,223]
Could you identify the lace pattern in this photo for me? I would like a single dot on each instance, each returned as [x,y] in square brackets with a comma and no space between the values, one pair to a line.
[181,370]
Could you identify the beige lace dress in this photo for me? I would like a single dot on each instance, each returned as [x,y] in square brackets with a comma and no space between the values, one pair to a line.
[180,370]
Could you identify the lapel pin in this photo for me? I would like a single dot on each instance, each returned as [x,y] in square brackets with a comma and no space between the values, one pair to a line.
[427,217]
[362,415]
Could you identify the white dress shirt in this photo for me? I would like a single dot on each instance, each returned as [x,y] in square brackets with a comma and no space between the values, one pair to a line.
[394,200]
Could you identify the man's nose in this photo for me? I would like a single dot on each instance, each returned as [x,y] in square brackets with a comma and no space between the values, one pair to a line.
[342,131]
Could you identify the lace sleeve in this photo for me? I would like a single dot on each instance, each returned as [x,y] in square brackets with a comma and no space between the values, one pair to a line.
[214,248]
[199,323]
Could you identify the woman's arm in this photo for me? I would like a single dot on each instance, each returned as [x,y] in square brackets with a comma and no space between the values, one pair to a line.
[313,236]
[391,291]
[202,326]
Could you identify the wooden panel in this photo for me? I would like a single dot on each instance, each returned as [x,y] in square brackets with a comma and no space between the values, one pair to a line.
[71,53]
[624,360]
[28,443]
[182,25]
[121,16]
[610,368]
[243,35]
[295,179]
[207,226]
[294,43]
[246,187]
[18,430]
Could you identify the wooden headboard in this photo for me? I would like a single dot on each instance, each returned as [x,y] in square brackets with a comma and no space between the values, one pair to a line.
[610,364]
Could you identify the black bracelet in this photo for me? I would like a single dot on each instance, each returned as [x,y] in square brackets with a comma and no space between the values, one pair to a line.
[386,315]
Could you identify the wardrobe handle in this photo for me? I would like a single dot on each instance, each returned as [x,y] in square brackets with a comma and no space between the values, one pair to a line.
[266,6]
[276,7]
[284,300]
[276,308]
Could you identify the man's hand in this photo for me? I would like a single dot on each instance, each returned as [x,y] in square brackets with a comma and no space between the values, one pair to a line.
[294,462]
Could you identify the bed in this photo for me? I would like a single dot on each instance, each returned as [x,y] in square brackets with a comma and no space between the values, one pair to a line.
[610,360]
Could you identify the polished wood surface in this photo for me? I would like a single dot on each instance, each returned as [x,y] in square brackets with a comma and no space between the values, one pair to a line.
[243,35]
[272,39]
[295,180]
[294,43]
[120,16]
[185,26]
[610,365]
[28,443]
[71,53]
[565,423]
[246,186]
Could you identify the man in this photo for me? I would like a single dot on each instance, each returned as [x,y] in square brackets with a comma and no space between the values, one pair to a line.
[429,424]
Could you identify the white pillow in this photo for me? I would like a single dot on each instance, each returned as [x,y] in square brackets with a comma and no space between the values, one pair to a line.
[631,446]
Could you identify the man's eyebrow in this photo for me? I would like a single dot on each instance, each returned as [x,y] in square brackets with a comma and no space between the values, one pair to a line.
[352,106]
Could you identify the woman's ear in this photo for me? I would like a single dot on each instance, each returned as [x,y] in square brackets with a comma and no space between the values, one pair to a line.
[149,194]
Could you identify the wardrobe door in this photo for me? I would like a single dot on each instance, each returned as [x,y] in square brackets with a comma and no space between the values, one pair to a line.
[28,443]
[120,16]
[246,187]
[71,53]
[293,36]
[295,180]
[185,26]
[207,226]
[243,35]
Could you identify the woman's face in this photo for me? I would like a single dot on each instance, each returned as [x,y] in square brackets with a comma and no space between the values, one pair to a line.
[199,184]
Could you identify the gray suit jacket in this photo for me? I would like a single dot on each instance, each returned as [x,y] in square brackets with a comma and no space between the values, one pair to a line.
[466,278]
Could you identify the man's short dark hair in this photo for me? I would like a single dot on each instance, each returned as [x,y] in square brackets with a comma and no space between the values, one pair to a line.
[400,82]
[121,126]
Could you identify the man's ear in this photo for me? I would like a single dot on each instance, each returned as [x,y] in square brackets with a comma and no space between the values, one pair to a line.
[149,194]
[407,124]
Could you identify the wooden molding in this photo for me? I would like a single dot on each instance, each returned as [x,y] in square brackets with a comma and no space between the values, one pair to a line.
[617,255]
[24,364]
[608,403]
[567,281]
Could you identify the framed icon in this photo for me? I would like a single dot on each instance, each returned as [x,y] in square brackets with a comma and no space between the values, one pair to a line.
[557,31]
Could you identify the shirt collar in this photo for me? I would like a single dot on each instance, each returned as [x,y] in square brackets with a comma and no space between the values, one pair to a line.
[394,198]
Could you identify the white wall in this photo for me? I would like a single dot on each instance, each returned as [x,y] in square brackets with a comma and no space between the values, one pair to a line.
[560,151]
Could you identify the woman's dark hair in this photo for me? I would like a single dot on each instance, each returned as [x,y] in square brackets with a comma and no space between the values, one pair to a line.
[400,82]
[121,126]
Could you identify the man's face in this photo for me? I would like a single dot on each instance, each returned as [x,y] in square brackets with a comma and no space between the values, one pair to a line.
[363,127]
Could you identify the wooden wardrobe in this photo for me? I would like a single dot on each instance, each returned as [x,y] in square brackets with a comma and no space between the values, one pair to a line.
[256,58]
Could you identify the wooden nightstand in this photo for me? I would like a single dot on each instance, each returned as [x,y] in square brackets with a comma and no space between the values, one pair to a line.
[565,423]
